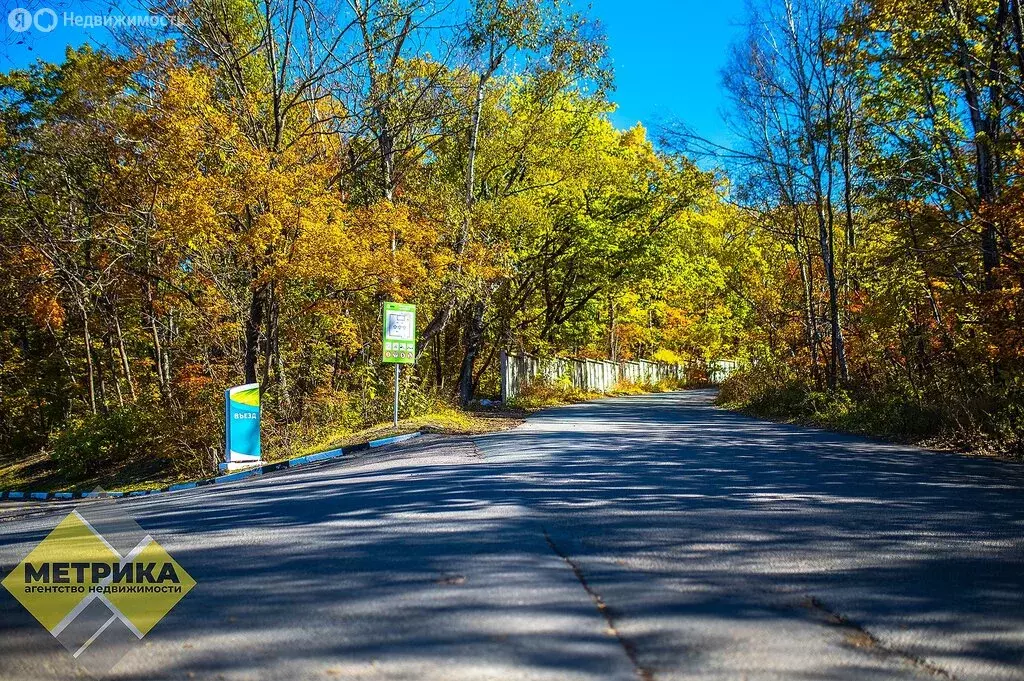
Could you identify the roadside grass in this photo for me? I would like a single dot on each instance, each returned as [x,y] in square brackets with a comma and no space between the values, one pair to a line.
[442,420]
[40,473]
[537,396]
[879,422]
[886,418]
[22,472]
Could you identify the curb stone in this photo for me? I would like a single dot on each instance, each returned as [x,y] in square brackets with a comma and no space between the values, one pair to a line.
[392,440]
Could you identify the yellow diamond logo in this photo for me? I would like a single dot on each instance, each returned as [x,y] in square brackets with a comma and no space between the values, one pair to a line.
[51,601]
[144,608]
[97,582]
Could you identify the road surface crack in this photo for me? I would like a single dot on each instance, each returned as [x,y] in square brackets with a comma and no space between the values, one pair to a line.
[627,646]
[860,637]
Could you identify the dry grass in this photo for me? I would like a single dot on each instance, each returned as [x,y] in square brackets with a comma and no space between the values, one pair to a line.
[446,421]
[542,395]
[38,473]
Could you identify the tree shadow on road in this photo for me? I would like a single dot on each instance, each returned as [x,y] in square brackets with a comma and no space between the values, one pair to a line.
[696,523]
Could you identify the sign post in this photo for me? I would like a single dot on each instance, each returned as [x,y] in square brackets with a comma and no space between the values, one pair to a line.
[241,426]
[399,340]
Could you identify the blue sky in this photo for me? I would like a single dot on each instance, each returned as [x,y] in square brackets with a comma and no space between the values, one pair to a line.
[668,58]
[667,55]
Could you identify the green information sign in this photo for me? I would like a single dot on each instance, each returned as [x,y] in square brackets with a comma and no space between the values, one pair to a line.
[399,333]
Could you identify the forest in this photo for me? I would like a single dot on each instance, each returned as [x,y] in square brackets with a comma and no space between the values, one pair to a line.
[878,181]
[232,197]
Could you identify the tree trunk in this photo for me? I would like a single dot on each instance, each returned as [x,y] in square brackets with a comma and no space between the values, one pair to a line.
[985,125]
[838,372]
[810,318]
[474,340]
[443,315]
[474,137]
[613,346]
[438,362]
[125,366]
[253,324]
[113,369]
[171,333]
[158,353]
[273,341]
[90,370]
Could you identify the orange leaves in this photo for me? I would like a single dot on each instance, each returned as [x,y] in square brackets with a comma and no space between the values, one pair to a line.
[45,309]
[33,277]
[192,380]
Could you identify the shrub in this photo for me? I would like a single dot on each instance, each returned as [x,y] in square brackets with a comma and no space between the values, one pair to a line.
[897,415]
[665,385]
[86,446]
[627,387]
[540,394]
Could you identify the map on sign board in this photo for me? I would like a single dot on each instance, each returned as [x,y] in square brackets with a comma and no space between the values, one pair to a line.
[399,325]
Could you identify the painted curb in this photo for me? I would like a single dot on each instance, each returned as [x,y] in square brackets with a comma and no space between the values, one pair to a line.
[218,480]
[392,440]
[312,458]
[240,475]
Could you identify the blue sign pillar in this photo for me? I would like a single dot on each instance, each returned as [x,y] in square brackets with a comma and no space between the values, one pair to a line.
[242,426]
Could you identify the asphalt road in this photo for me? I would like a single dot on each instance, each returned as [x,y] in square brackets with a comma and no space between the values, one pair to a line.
[650,537]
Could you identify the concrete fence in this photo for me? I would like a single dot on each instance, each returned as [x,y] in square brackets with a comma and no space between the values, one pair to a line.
[720,369]
[599,376]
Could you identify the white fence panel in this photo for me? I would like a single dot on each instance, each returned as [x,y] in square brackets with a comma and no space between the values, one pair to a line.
[600,376]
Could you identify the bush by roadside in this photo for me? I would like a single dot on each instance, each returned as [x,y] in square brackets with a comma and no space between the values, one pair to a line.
[898,417]
[151,444]
[120,437]
[138,448]
[539,395]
